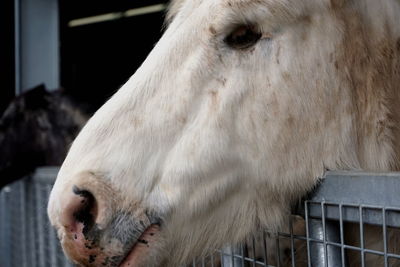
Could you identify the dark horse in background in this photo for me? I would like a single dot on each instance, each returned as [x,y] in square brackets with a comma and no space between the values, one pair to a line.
[37,129]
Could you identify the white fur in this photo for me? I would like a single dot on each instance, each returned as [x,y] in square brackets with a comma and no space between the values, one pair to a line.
[220,142]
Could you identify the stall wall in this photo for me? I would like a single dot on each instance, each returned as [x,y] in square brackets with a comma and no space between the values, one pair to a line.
[39,44]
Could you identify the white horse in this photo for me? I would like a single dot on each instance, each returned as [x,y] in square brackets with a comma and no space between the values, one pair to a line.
[234,115]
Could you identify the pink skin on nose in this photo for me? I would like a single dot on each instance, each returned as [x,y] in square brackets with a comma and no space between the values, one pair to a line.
[68,219]
[79,214]
[142,248]
[79,202]
[81,208]
[82,250]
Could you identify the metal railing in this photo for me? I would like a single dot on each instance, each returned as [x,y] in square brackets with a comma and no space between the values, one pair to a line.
[26,236]
[352,219]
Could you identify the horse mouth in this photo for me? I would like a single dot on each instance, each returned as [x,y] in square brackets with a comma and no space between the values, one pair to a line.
[143,247]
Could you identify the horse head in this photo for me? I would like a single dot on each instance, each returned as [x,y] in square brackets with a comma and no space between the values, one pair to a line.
[234,115]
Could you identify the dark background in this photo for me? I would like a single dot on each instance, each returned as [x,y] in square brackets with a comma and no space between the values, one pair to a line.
[96,59]
[7,77]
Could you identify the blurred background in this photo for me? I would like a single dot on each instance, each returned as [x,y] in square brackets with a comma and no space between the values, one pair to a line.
[89,48]
[60,60]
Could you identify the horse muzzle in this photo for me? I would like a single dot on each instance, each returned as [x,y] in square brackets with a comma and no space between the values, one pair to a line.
[95,231]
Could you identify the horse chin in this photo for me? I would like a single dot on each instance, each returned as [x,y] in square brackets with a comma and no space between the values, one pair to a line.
[143,251]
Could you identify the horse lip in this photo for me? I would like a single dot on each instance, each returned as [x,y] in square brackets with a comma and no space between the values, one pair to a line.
[153,220]
[141,240]
[118,258]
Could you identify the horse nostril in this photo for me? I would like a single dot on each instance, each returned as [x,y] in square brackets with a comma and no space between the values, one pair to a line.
[87,211]
[81,208]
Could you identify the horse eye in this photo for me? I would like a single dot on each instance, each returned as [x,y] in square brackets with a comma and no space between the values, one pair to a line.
[243,37]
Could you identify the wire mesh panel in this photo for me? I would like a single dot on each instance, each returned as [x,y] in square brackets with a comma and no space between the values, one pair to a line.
[350,220]
[26,237]
[353,219]
[372,240]
[265,248]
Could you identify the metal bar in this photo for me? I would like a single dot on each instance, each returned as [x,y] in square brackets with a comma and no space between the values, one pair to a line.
[32,233]
[319,257]
[265,249]
[292,241]
[232,258]
[247,259]
[17,44]
[5,228]
[243,253]
[338,245]
[341,234]
[362,236]
[308,234]
[324,233]
[254,252]
[45,175]
[2,223]
[221,258]
[24,251]
[358,188]
[40,224]
[278,252]
[228,257]
[384,232]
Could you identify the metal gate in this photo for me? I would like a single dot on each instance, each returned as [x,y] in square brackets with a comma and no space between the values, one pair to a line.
[26,236]
[351,219]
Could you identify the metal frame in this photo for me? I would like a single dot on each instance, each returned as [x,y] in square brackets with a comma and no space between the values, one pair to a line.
[357,198]
[36,34]
[342,198]
[26,237]
[374,201]
[17,49]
